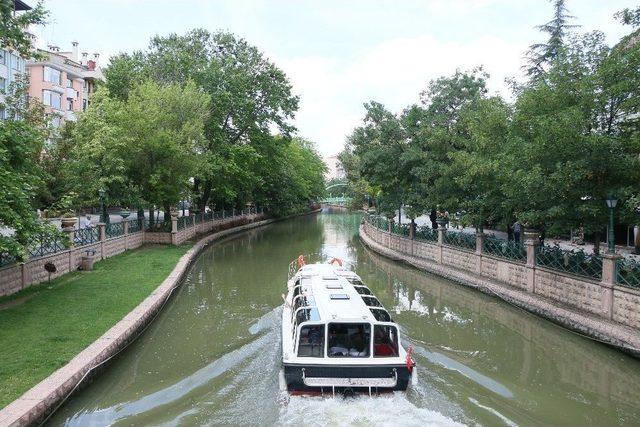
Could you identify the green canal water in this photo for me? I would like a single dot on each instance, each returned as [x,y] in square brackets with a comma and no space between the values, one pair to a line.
[212,356]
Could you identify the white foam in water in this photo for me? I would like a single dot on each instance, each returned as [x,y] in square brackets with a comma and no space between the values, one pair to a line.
[386,410]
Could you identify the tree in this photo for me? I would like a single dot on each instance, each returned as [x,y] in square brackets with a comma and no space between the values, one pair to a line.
[13,35]
[250,96]
[629,16]
[22,138]
[379,145]
[542,55]
[142,150]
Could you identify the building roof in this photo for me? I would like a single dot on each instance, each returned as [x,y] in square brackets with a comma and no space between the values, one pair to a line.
[20,5]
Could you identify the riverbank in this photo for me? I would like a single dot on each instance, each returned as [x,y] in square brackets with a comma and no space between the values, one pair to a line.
[461,269]
[43,398]
[44,327]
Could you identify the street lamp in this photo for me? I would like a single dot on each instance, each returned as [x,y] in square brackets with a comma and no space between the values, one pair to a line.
[101,195]
[611,204]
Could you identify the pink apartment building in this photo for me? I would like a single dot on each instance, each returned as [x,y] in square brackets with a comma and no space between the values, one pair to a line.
[63,82]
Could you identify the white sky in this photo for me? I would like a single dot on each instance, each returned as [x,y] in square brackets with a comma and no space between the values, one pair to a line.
[337,53]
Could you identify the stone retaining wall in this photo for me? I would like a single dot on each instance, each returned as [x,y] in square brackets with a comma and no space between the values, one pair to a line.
[602,310]
[16,277]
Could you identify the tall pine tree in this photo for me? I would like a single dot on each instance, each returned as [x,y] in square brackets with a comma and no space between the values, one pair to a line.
[542,55]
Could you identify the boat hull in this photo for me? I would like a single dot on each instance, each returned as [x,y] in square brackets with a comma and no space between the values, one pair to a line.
[313,379]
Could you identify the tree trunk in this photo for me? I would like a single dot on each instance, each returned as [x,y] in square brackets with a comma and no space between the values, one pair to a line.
[152,216]
[400,214]
[141,218]
[204,197]
[596,243]
[413,228]
[167,212]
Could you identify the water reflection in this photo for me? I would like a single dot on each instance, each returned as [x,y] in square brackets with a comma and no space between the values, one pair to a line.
[213,354]
[534,367]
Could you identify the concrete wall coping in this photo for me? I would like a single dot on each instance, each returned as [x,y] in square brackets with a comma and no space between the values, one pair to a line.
[45,397]
[604,330]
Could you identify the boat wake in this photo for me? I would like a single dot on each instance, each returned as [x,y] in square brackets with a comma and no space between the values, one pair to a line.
[389,409]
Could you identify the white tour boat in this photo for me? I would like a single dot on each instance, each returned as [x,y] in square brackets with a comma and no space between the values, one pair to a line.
[337,336]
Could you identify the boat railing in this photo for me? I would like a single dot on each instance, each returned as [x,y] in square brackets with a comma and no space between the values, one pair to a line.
[313,258]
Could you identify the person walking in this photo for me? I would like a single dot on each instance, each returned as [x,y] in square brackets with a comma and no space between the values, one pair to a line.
[433,216]
[510,231]
[517,229]
[446,219]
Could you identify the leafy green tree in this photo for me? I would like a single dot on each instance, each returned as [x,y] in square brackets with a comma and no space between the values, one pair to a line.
[13,27]
[144,149]
[629,16]
[379,145]
[250,96]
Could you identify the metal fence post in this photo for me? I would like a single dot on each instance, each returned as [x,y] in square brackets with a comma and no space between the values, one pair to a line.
[103,237]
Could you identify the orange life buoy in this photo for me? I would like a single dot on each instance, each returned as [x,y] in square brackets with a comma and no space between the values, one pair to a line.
[301,262]
[338,260]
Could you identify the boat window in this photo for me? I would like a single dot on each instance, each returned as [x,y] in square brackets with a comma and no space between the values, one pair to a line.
[303,301]
[371,301]
[381,315]
[362,290]
[385,343]
[349,339]
[311,341]
[354,281]
[339,296]
[306,314]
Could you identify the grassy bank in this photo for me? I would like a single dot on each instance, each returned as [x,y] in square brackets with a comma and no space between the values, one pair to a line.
[43,327]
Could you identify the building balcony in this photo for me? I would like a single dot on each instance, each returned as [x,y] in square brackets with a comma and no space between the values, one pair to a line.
[71,93]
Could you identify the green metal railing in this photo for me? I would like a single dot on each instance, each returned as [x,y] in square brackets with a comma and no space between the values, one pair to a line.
[459,239]
[86,236]
[114,229]
[6,259]
[157,226]
[504,249]
[576,263]
[628,273]
[135,225]
[426,233]
[183,222]
[400,229]
[42,245]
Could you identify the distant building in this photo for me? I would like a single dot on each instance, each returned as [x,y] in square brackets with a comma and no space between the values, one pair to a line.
[11,64]
[63,82]
[334,168]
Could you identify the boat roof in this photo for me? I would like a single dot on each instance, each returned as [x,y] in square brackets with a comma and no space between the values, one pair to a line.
[334,295]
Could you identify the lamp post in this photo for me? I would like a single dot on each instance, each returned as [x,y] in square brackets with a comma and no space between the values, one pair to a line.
[101,194]
[611,239]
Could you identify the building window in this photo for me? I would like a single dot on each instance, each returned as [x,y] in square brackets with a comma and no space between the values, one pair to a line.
[69,104]
[52,99]
[3,84]
[15,62]
[69,83]
[3,57]
[84,105]
[2,114]
[52,75]
[56,121]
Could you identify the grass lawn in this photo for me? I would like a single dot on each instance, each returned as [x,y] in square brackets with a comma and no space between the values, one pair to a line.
[45,326]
